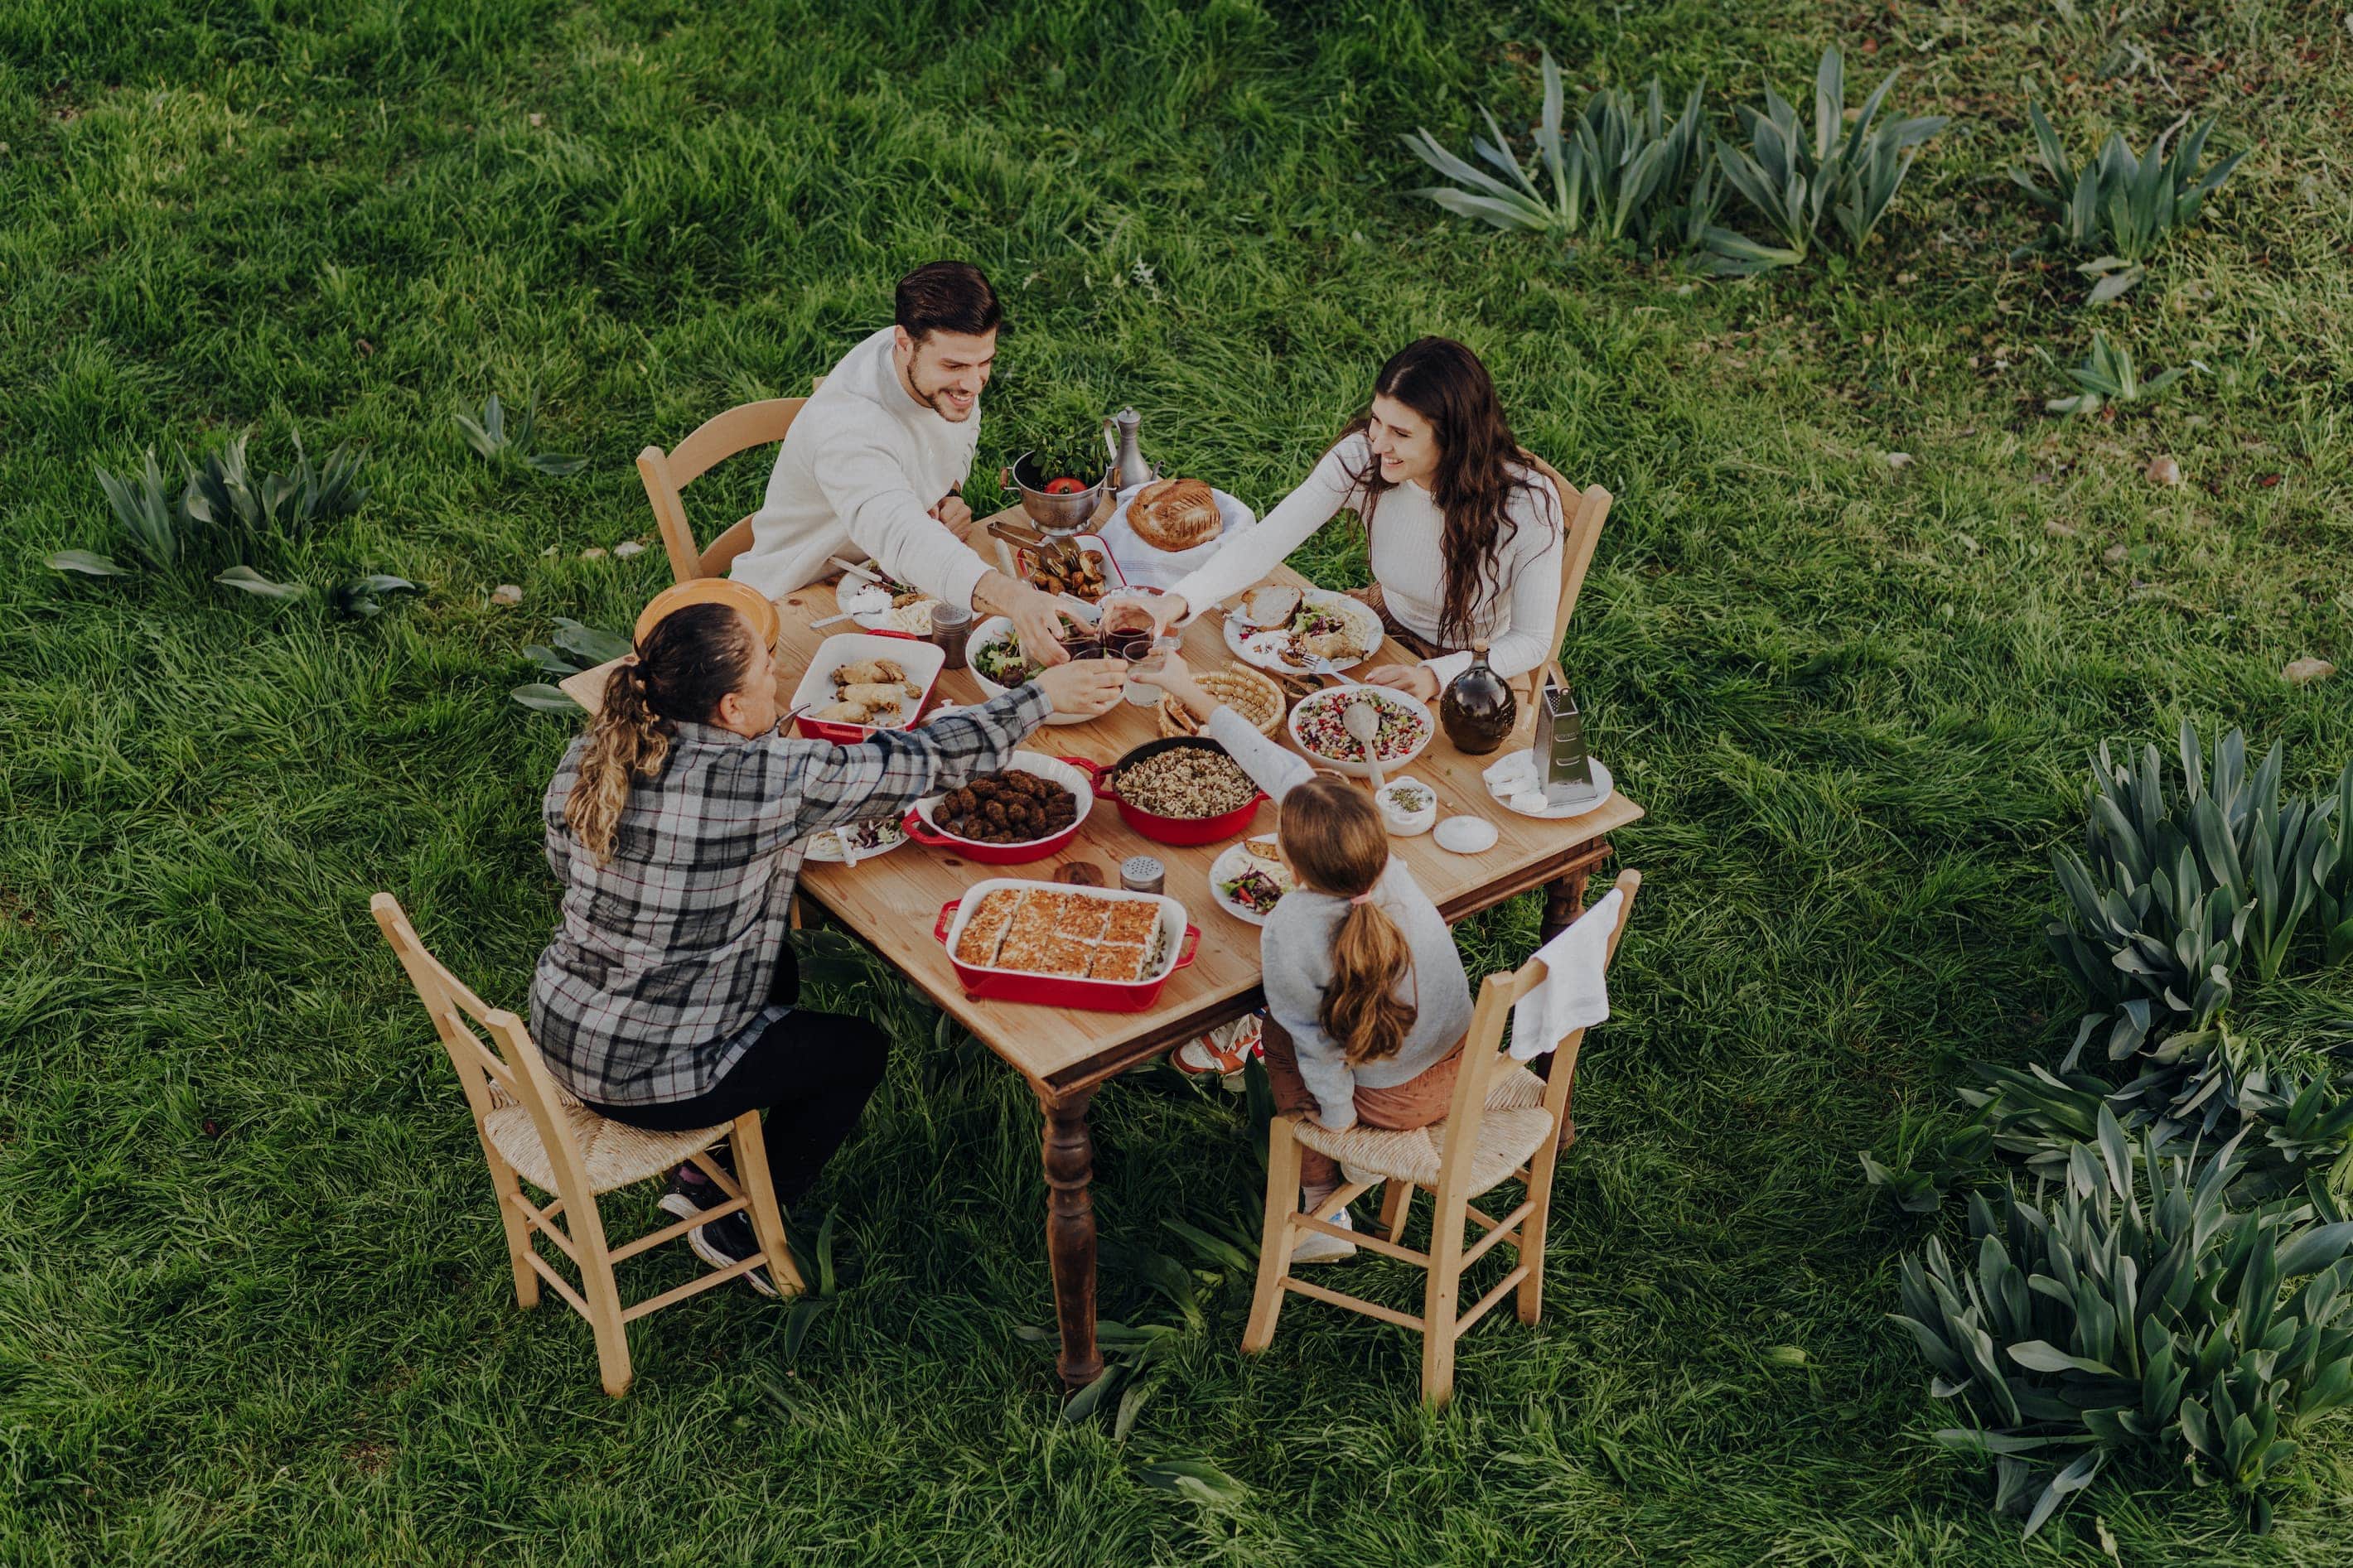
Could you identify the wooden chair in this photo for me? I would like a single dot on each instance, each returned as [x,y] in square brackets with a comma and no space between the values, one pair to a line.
[714,440]
[1584,511]
[1503,1123]
[533,1129]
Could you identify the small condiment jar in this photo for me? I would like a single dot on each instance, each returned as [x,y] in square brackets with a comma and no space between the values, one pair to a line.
[951,629]
[1142,874]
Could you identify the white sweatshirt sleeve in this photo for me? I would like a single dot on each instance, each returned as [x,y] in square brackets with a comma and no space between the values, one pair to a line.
[867,487]
[1535,594]
[1271,767]
[1262,548]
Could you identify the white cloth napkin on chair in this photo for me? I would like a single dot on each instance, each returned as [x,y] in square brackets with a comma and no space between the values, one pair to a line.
[1575,994]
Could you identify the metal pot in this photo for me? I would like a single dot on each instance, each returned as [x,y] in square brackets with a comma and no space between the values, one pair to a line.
[1066,513]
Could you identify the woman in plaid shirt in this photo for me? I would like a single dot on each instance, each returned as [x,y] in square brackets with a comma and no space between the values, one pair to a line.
[676,826]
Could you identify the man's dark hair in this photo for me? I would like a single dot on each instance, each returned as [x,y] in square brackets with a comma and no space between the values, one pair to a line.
[947,296]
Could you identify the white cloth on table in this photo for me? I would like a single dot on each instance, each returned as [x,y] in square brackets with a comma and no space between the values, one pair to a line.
[1144,566]
[1574,992]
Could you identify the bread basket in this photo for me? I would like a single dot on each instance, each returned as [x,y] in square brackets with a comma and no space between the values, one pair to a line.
[1246,691]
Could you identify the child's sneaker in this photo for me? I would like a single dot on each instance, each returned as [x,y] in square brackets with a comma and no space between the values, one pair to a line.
[1314,1246]
[727,1241]
[688,1195]
[1225,1050]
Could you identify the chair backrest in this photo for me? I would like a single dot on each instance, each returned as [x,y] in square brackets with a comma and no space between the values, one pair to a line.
[1482,1052]
[512,1074]
[1582,513]
[739,429]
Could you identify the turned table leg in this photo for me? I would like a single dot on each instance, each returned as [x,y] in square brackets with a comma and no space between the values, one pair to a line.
[1071,1233]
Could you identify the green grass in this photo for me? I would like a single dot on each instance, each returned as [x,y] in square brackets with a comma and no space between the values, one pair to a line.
[252,1300]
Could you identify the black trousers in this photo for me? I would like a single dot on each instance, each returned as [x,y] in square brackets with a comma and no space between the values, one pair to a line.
[811,1072]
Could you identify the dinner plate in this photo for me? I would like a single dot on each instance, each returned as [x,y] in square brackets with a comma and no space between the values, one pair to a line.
[1224,868]
[1264,649]
[915,619]
[825,849]
[1603,787]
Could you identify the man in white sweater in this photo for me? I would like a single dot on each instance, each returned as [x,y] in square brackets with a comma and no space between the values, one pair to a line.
[873,465]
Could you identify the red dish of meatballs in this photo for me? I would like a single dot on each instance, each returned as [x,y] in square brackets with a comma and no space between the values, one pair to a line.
[1023,812]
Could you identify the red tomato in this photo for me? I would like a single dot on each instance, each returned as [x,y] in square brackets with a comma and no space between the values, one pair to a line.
[1063,487]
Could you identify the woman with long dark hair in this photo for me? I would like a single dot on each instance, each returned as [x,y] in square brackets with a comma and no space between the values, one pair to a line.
[1465,536]
[675,827]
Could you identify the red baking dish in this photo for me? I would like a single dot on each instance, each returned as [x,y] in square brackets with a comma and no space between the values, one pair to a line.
[1178,830]
[922,660]
[1067,772]
[1178,938]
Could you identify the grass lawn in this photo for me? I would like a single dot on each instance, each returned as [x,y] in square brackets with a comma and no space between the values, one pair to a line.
[252,1301]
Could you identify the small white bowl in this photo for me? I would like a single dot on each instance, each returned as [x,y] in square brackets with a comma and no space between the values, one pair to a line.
[1396,817]
[995,627]
[1467,835]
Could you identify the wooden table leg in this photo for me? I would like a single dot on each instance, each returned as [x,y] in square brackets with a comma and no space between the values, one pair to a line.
[1071,1233]
[1565,894]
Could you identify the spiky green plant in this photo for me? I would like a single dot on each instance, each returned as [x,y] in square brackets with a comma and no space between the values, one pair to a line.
[2108,375]
[1794,180]
[2137,1312]
[143,520]
[2121,207]
[1621,169]
[492,440]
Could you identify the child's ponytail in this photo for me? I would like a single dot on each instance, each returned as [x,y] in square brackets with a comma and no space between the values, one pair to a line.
[1335,840]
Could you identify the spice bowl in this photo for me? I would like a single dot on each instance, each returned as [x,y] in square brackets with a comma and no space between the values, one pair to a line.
[1407,807]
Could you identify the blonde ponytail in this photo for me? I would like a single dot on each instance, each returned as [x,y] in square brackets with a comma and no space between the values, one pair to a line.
[1361,1010]
[1333,838]
[627,742]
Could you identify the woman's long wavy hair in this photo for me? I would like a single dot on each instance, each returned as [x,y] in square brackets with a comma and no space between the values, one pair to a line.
[1333,838]
[689,660]
[1479,469]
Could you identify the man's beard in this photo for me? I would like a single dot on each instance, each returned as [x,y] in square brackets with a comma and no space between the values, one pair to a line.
[935,400]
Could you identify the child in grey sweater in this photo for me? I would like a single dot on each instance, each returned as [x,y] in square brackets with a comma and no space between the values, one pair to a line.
[1366,1001]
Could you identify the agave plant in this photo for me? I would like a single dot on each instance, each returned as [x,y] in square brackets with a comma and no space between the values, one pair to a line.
[144,519]
[2332,868]
[1925,1164]
[491,437]
[2136,1312]
[1622,170]
[1794,179]
[2108,375]
[2118,206]
[223,492]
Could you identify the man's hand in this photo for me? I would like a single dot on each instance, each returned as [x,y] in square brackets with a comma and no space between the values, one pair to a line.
[1414,680]
[1089,686]
[1158,611]
[1036,617]
[952,511]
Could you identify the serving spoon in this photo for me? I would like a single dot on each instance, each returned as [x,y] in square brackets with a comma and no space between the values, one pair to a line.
[1362,719]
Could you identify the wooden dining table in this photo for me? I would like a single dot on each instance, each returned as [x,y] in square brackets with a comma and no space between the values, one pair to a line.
[893,900]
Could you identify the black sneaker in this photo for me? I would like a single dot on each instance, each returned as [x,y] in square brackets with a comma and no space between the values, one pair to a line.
[683,1199]
[727,1241]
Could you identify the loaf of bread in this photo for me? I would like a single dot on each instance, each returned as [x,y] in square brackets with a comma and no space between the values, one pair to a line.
[1174,514]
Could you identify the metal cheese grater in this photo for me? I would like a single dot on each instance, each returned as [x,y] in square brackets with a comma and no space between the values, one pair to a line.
[1562,767]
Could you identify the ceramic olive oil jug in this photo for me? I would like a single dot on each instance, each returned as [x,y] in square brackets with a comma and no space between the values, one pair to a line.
[1477,709]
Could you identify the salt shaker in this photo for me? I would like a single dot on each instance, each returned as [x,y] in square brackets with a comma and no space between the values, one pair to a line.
[951,630]
[1142,874]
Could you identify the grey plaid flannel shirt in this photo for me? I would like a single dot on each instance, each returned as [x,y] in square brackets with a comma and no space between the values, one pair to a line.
[658,979]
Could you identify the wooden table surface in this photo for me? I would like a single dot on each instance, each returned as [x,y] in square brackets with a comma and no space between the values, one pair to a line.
[892,902]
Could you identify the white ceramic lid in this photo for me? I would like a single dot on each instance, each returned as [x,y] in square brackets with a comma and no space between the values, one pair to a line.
[1466,834]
